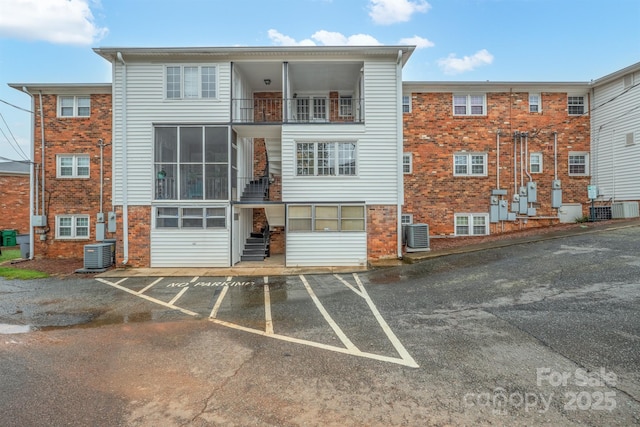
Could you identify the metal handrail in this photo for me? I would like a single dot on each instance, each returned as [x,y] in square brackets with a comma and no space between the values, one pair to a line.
[298,110]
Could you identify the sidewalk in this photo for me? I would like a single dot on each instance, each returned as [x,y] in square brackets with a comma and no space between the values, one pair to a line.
[274,266]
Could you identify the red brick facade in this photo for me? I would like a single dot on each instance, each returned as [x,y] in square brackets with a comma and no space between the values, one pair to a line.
[72,196]
[14,203]
[433,135]
[139,221]
[382,231]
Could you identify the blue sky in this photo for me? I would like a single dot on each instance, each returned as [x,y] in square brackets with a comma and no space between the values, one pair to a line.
[50,41]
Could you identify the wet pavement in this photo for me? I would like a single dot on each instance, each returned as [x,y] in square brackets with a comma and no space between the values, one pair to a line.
[541,333]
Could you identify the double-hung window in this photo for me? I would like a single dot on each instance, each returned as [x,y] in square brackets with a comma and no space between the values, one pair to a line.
[578,163]
[535,103]
[191,82]
[406,104]
[326,159]
[470,164]
[535,162]
[72,226]
[469,105]
[407,163]
[345,108]
[471,224]
[191,163]
[576,105]
[310,109]
[72,166]
[323,218]
[74,106]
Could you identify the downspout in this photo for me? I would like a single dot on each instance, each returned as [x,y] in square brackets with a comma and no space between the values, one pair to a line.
[521,162]
[42,149]
[515,163]
[555,156]
[526,155]
[32,181]
[498,159]
[400,144]
[125,207]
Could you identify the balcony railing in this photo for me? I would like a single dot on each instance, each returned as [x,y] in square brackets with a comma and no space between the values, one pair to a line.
[298,110]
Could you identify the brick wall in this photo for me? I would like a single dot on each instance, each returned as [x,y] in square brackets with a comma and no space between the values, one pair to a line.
[432,134]
[67,196]
[14,203]
[139,219]
[382,227]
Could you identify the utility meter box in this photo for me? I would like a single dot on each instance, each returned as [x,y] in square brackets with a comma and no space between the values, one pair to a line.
[556,198]
[524,205]
[111,222]
[503,210]
[532,192]
[494,213]
[39,220]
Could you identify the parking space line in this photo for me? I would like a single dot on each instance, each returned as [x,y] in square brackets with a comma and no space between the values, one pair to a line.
[216,307]
[148,298]
[345,340]
[404,354]
[348,285]
[268,329]
[150,285]
[194,279]
[177,297]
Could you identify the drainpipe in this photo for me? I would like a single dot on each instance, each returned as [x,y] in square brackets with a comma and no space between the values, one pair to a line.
[32,173]
[521,162]
[555,155]
[42,148]
[125,210]
[498,159]
[526,156]
[515,163]
[400,144]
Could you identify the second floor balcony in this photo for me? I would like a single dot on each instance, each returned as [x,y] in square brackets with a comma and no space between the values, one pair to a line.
[299,109]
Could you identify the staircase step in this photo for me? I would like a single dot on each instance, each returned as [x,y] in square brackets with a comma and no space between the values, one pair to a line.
[252,258]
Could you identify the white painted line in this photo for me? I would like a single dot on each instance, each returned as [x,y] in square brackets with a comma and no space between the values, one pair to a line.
[148,298]
[150,285]
[346,341]
[229,278]
[216,307]
[348,285]
[317,344]
[194,279]
[268,329]
[177,297]
[404,354]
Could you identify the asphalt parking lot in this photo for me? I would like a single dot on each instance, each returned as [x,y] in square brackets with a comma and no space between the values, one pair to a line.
[544,332]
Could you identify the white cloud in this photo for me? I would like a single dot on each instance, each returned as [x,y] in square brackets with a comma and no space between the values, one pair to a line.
[418,41]
[454,65]
[55,21]
[387,12]
[324,38]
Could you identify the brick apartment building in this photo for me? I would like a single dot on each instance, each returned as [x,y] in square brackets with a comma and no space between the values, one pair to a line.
[14,196]
[469,158]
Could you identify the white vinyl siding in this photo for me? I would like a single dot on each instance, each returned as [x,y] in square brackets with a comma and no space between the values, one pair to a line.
[326,249]
[614,160]
[147,106]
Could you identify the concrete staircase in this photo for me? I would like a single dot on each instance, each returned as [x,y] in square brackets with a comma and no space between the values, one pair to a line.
[256,248]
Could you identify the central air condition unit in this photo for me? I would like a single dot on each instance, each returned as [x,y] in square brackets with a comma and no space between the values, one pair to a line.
[97,256]
[417,237]
[624,210]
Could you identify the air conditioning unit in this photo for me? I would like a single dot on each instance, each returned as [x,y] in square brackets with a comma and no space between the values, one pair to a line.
[97,256]
[624,210]
[417,237]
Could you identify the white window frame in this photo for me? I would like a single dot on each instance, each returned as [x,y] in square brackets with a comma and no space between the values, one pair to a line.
[573,155]
[183,213]
[406,103]
[74,227]
[572,103]
[469,164]
[406,219]
[407,163]
[314,218]
[77,108]
[533,163]
[197,91]
[469,104]
[312,166]
[345,106]
[471,225]
[75,166]
[535,103]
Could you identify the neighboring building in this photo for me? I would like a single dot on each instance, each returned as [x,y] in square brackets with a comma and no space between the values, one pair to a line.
[77,120]
[314,155]
[218,151]
[615,135]
[14,196]
[488,157]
